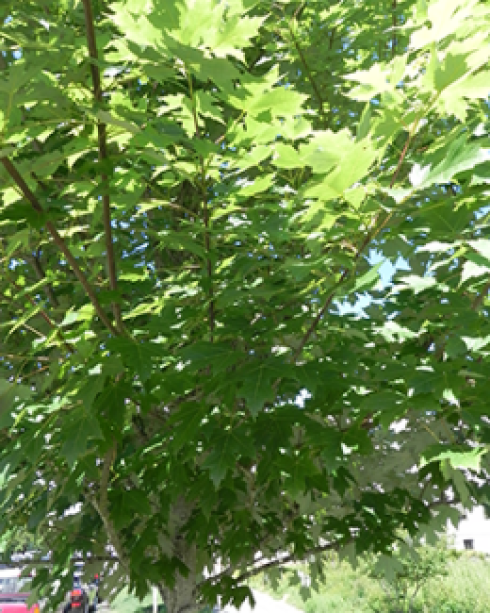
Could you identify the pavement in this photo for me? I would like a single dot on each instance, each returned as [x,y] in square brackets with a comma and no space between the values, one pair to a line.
[263,604]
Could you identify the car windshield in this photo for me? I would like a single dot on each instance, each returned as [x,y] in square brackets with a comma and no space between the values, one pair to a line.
[11,585]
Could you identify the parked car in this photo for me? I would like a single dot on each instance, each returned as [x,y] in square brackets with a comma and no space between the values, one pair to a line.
[13,593]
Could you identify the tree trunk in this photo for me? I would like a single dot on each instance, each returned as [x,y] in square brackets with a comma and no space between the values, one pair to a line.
[181,598]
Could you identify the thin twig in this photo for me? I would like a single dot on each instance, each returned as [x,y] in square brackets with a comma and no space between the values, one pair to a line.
[102,145]
[480,298]
[207,240]
[368,238]
[309,75]
[36,264]
[42,313]
[37,358]
[105,477]
[34,372]
[405,149]
[102,506]
[59,242]
[46,318]
[298,12]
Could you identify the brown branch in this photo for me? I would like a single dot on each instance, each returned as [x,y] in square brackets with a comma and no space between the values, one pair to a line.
[105,477]
[102,144]
[36,264]
[481,297]
[309,75]
[207,240]
[299,11]
[13,356]
[46,318]
[102,506]
[272,563]
[368,238]
[319,316]
[42,313]
[34,372]
[211,311]
[405,149]
[59,242]
[295,558]
[400,161]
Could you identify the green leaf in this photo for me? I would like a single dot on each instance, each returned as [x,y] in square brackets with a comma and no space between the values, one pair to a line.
[229,445]
[78,429]
[329,440]
[139,357]
[372,82]
[481,246]
[447,72]
[388,405]
[258,390]
[286,157]
[217,355]
[461,155]
[456,456]
[278,102]
[10,396]
[416,284]
[190,418]
[368,279]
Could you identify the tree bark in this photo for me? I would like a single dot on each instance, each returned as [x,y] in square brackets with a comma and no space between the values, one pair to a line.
[181,597]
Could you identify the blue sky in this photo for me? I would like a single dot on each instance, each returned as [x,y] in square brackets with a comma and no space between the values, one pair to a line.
[386,272]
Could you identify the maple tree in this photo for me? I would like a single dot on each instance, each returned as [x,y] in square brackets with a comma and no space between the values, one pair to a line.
[192,192]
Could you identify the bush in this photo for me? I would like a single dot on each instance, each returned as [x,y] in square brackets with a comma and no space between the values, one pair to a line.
[459,583]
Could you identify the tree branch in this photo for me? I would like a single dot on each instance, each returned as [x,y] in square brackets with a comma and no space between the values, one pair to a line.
[36,264]
[207,241]
[46,318]
[59,242]
[105,477]
[102,143]
[481,297]
[309,75]
[369,237]
[273,563]
[405,149]
[102,506]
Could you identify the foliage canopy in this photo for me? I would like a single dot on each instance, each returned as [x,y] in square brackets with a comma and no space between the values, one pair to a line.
[193,193]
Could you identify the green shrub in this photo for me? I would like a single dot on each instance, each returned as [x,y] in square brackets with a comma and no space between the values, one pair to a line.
[459,583]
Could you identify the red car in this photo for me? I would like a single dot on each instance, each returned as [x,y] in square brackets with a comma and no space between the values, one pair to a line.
[12,598]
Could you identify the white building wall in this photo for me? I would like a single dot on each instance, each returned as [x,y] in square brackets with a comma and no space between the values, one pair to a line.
[473,530]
